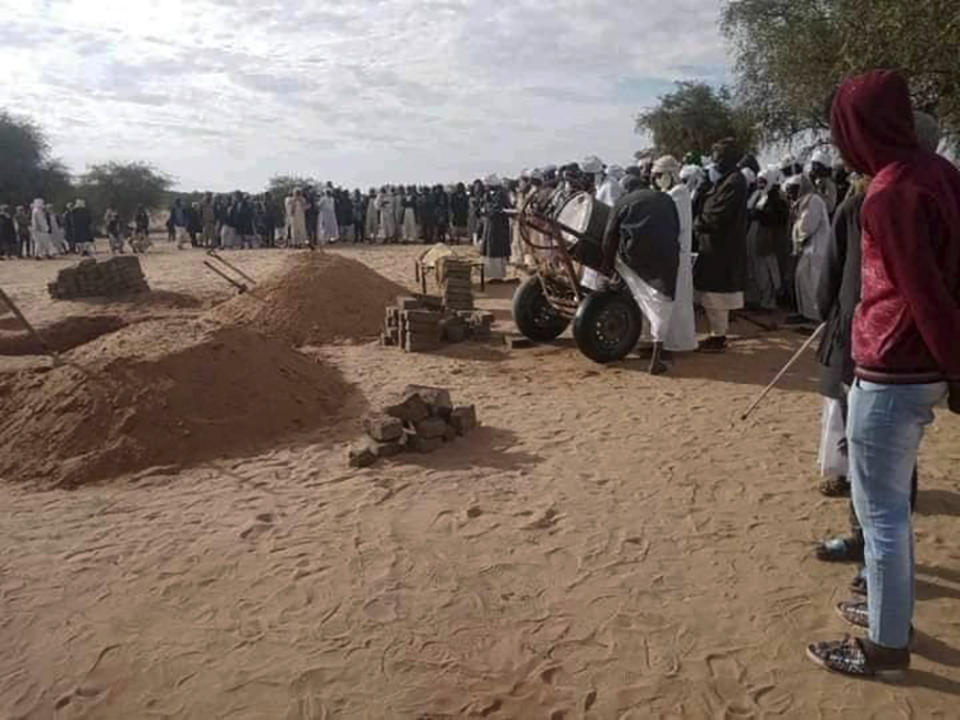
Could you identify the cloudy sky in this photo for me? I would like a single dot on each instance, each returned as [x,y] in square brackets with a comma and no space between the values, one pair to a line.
[223,94]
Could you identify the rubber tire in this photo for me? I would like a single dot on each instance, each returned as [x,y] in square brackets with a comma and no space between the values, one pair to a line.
[532,314]
[591,311]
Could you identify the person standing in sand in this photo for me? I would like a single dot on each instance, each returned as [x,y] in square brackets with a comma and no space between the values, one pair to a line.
[682,331]
[905,350]
[721,229]
[640,242]
[297,219]
[495,239]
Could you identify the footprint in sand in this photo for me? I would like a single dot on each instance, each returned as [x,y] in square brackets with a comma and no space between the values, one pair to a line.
[740,700]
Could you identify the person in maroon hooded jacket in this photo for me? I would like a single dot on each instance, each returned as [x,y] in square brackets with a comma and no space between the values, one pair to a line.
[906,351]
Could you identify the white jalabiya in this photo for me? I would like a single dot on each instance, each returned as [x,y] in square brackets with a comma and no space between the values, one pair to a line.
[682,334]
[833,454]
[811,239]
[388,217]
[327,229]
[409,225]
[43,244]
[656,307]
[298,222]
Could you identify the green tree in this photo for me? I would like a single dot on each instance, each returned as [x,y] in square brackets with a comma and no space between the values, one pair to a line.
[693,118]
[123,187]
[791,54]
[26,168]
[282,185]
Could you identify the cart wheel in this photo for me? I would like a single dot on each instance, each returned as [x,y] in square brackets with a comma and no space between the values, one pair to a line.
[607,326]
[533,314]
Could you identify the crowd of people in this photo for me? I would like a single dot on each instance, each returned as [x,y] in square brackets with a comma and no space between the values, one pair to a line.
[867,243]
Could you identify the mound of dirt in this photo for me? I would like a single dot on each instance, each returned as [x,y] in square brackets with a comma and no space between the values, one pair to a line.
[165,392]
[317,298]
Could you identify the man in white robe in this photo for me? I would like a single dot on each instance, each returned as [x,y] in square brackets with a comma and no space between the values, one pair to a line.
[41,231]
[681,334]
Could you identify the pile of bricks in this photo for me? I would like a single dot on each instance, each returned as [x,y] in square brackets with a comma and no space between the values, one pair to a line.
[89,278]
[424,322]
[421,419]
[455,284]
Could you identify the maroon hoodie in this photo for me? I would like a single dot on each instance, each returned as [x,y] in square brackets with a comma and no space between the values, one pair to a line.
[906,328]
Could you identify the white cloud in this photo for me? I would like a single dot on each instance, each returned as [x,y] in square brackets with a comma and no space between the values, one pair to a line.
[225,93]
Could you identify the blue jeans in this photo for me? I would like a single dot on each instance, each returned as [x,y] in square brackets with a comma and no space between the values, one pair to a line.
[884,430]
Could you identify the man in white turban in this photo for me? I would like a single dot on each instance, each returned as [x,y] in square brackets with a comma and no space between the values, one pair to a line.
[41,231]
[682,332]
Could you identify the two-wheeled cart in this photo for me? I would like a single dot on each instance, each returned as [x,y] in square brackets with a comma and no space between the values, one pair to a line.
[562,235]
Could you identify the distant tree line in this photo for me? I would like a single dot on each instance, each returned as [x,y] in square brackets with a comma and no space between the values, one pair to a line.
[28,171]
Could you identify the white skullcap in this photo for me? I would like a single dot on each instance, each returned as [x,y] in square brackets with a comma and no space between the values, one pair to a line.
[689,171]
[525,173]
[823,156]
[616,172]
[793,181]
[592,164]
[666,164]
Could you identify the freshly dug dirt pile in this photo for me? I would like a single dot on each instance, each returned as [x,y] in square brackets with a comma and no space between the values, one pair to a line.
[318,298]
[163,392]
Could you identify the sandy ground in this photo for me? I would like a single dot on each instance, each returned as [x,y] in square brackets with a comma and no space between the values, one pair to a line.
[607,545]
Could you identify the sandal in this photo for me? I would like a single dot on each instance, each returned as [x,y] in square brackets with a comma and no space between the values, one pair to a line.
[835,487]
[859,658]
[841,549]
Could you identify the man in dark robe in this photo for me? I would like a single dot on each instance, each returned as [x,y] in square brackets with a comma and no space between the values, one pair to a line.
[495,244]
[8,234]
[641,243]
[721,230]
[459,212]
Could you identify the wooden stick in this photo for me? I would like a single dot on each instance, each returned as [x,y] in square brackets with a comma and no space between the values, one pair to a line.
[238,285]
[33,332]
[783,371]
[215,255]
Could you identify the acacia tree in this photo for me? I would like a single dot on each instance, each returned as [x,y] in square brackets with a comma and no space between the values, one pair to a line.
[26,168]
[693,118]
[123,187]
[282,185]
[791,55]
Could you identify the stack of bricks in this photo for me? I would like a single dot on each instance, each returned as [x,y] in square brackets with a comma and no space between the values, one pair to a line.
[421,419]
[89,278]
[423,323]
[455,284]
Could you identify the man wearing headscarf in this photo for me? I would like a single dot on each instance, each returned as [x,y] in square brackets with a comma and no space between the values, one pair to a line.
[640,242]
[905,350]
[609,188]
[681,333]
[495,240]
[821,174]
[811,238]
[768,217]
[721,229]
[41,231]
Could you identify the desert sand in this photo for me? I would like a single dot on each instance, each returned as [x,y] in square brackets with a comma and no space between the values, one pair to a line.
[607,545]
